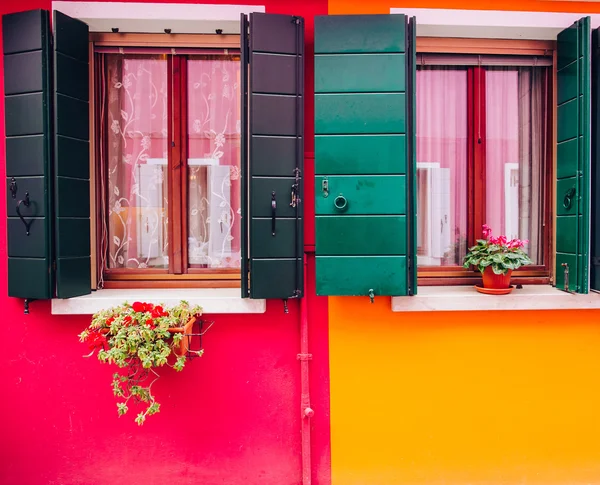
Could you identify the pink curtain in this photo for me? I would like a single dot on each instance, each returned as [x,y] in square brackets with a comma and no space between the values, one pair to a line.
[515,152]
[441,165]
[134,129]
[214,161]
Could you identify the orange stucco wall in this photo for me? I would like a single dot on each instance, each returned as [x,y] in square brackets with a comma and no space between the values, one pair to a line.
[383,6]
[463,397]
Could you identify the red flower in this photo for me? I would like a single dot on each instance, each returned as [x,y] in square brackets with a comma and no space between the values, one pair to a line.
[150,323]
[127,320]
[96,339]
[139,307]
[110,321]
[142,307]
[158,311]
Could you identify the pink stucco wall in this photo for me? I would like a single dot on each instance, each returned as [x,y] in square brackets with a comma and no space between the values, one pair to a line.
[231,417]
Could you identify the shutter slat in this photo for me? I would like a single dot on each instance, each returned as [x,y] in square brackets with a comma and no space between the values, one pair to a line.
[363,185]
[573,156]
[27,102]
[275,146]
[71,159]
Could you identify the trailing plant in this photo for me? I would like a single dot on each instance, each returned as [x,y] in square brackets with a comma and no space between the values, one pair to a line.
[498,252]
[138,339]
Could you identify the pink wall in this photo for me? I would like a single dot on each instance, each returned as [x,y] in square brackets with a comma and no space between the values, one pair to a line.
[232,416]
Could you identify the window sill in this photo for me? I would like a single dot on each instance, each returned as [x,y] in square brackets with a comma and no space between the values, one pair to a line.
[466,298]
[212,300]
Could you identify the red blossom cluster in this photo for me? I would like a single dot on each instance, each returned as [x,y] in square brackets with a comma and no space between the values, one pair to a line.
[154,311]
[502,240]
[96,339]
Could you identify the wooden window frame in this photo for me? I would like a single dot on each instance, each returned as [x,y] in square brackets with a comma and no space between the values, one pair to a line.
[534,274]
[179,275]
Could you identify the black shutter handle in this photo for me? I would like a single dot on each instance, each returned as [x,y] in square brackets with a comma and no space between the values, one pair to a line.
[13,188]
[26,202]
[273,212]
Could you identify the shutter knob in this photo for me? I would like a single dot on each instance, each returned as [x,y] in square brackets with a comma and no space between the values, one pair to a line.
[341,203]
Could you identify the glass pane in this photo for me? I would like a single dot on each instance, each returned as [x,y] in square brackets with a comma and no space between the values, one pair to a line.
[516,127]
[136,143]
[441,166]
[213,139]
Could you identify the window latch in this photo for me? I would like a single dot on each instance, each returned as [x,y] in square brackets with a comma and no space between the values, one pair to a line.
[273,212]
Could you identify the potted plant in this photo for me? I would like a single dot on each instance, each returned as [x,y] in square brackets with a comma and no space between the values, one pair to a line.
[140,338]
[496,258]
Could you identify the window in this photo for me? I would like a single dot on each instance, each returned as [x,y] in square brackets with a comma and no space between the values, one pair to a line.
[169,164]
[483,141]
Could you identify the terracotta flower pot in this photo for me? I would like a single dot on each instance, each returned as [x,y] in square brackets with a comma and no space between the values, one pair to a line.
[495,281]
[186,342]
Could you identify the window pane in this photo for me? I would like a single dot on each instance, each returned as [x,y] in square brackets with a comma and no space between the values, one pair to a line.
[214,162]
[441,166]
[516,127]
[135,138]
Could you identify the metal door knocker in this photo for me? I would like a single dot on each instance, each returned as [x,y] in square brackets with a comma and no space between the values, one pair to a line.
[568,200]
[26,202]
[340,203]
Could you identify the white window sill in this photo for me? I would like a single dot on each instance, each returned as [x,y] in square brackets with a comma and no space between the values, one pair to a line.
[466,298]
[212,300]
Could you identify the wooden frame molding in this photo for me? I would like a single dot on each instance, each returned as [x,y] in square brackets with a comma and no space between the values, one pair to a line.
[442,45]
[535,274]
[223,41]
[178,275]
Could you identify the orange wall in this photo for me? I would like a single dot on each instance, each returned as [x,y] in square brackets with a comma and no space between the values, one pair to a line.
[463,397]
[459,398]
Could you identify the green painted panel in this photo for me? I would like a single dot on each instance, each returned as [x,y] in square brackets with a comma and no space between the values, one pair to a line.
[339,34]
[25,156]
[353,235]
[73,238]
[567,46]
[566,234]
[274,278]
[27,278]
[360,113]
[567,121]
[364,194]
[24,114]
[360,154]
[567,157]
[347,73]
[29,67]
[571,260]
[284,244]
[356,275]
[73,276]
[20,245]
[568,83]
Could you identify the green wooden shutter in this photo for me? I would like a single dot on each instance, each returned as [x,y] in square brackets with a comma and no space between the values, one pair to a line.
[28,106]
[595,172]
[364,155]
[573,156]
[71,156]
[272,155]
